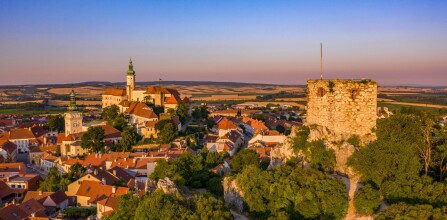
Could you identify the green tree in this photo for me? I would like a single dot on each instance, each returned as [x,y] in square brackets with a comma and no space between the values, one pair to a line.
[75,172]
[167,133]
[182,112]
[209,208]
[367,200]
[321,158]
[291,192]
[127,205]
[129,138]
[197,113]
[93,140]
[110,112]
[215,158]
[395,153]
[403,211]
[119,122]
[55,123]
[53,181]
[161,206]
[244,158]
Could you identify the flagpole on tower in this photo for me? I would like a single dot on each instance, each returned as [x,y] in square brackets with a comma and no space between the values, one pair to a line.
[321,60]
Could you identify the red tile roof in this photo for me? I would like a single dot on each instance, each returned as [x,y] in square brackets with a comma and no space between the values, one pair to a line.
[226,124]
[141,110]
[13,167]
[37,195]
[21,133]
[8,146]
[115,92]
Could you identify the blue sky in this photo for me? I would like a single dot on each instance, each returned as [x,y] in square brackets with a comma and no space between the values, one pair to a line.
[392,42]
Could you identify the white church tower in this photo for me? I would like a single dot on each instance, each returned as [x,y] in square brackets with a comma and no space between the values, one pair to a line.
[73,118]
[130,81]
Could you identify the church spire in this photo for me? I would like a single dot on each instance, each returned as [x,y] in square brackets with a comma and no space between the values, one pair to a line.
[130,71]
[72,106]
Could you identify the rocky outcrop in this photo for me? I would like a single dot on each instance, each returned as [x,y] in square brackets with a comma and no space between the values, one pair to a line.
[233,196]
[167,185]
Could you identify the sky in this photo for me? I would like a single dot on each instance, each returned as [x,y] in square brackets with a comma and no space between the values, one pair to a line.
[274,42]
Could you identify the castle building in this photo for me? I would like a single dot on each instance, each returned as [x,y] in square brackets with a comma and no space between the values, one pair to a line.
[159,96]
[343,107]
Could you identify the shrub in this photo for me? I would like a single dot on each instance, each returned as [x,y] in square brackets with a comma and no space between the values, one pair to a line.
[367,200]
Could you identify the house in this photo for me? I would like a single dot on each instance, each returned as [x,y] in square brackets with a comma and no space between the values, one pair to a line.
[220,147]
[52,201]
[36,152]
[94,174]
[29,181]
[30,209]
[11,169]
[6,193]
[90,192]
[47,161]
[224,126]
[141,116]
[56,202]
[106,206]
[253,126]
[65,163]
[268,138]
[23,138]
[8,150]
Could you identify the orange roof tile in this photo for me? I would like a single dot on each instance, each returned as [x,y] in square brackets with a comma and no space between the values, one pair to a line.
[21,133]
[37,195]
[115,92]
[226,124]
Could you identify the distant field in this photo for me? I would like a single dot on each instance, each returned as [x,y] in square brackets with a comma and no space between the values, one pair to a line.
[276,103]
[85,91]
[20,102]
[30,112]
[78,102]
[224,97]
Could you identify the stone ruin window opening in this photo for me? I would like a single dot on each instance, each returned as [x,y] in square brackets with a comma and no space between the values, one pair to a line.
[354,94]
[321,92]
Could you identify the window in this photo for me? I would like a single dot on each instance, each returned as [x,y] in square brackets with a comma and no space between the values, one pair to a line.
[354,93]
[321,92]
[28,207]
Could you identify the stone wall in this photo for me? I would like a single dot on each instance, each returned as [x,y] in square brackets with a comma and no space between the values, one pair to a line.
[344,107]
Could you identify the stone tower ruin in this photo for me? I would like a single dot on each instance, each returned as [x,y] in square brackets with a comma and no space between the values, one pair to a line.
[343,107]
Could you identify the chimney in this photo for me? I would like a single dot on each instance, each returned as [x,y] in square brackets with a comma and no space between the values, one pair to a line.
[95,172]
[103,181]
[125,159]
[114,172]
[100,155]
[40,192]
[113,189]
[96,155]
